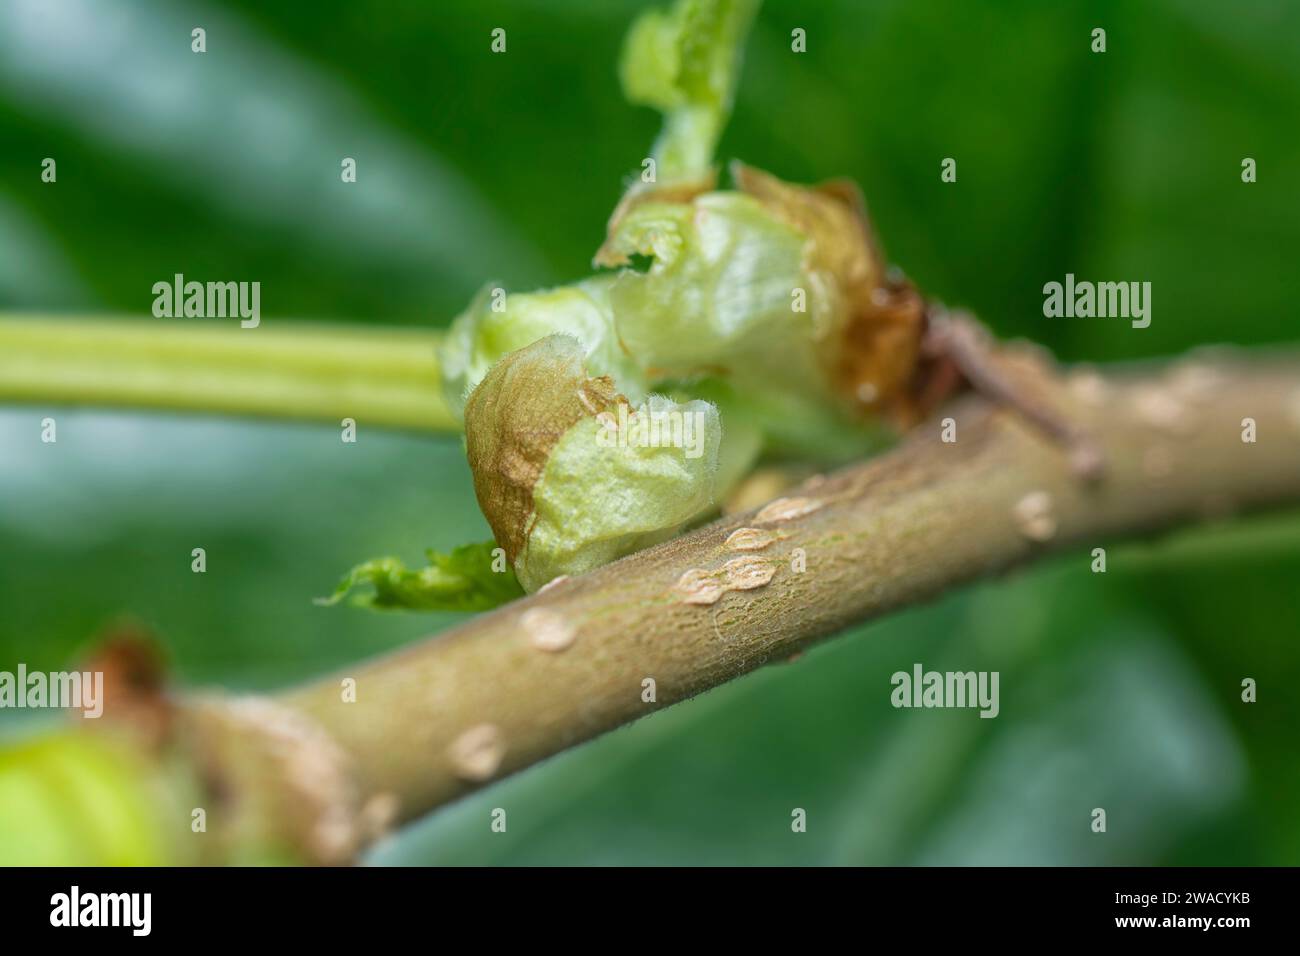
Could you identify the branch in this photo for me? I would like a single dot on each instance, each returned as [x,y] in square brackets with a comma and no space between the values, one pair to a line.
[510,688]
[381,377]
[315,777]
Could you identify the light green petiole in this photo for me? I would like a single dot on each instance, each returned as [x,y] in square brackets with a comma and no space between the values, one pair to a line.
[381,377]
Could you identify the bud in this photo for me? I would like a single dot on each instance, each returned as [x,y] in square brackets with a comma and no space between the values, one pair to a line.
[698,304]
[569,475]
[480,336]
[717,293]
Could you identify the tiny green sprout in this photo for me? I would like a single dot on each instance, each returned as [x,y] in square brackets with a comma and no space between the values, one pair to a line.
[685,62]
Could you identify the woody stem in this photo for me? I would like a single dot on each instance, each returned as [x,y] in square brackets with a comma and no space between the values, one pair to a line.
[444,716]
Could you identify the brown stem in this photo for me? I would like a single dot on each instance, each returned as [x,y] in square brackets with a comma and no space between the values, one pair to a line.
[507,689]
[971,350]
[311,775]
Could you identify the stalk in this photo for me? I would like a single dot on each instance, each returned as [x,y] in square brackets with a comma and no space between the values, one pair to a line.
[384,377]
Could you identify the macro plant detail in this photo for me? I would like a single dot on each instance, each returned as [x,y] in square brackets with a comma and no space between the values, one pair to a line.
[740,430]
[752,321]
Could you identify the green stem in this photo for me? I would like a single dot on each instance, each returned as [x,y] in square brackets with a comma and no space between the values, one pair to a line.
[385,377]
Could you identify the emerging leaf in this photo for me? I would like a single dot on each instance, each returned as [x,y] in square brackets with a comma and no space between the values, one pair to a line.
[685,62]
[464,580]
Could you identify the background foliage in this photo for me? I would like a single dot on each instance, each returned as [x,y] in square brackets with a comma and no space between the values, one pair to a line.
[1118,690]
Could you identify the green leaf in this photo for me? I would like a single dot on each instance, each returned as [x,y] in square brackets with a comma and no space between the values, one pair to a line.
[464,580]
